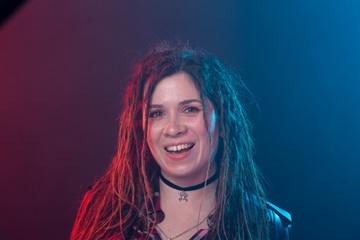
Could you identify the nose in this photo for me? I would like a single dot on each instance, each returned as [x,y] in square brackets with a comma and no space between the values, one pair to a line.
[174,127]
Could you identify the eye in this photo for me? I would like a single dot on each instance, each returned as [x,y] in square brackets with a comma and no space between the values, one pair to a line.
[155,114]
[191,110]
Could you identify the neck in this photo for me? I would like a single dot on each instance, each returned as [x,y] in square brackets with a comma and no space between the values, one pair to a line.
[191,180]
[190,188]
[201,203]
[195,193]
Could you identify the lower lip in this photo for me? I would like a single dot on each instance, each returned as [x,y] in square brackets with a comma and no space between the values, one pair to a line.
[179,157]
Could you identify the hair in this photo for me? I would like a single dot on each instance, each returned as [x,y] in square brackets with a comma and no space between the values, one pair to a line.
[124,195]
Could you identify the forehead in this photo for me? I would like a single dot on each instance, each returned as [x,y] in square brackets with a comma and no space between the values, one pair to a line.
[177,87]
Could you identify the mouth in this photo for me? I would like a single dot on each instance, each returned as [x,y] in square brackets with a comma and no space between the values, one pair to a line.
[178,149]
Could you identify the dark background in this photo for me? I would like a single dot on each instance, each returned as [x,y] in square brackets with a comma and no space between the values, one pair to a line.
[62,67]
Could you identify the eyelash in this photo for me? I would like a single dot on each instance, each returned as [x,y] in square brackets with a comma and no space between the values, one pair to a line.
[192,109]
[157,114]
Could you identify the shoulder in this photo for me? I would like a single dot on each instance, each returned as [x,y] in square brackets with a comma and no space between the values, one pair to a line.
[280,222]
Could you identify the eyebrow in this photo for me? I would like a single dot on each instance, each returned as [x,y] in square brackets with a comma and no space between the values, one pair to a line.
[182,103]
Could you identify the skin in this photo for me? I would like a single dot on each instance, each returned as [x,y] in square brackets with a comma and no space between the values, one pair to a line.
[176,119]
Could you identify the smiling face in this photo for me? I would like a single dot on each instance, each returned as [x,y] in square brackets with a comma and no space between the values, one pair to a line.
[177,135]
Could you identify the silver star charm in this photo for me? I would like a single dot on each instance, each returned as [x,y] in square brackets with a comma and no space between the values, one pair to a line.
[183,196]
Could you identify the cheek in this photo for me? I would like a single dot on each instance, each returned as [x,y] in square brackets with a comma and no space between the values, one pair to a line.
[149,136]
[150,142]
[198,127]
[153,136]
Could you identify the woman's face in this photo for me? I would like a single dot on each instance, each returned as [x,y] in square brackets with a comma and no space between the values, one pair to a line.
[177,136]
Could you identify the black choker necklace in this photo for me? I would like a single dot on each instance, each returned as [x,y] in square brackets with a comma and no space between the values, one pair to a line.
[183,194]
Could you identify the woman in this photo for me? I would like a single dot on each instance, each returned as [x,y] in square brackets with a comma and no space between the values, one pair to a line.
[184,167]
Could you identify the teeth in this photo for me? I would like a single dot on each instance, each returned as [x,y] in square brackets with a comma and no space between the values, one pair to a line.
[178,147]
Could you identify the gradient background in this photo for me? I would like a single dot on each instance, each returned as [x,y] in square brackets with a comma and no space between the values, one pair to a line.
[62,67]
